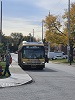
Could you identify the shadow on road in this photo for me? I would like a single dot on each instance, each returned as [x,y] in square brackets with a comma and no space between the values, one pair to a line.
[38,70]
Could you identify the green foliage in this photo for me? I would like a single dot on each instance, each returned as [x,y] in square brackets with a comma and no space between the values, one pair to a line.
[16,35]
[11,42]
[1,47]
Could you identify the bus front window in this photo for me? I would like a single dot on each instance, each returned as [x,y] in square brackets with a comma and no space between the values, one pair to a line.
[33,54]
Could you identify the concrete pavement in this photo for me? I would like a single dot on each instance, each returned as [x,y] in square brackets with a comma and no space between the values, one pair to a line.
[18,77]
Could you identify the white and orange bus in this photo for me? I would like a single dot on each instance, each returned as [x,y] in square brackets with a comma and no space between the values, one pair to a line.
[31,54]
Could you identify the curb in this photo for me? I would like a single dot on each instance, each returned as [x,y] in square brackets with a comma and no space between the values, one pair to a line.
[15,80]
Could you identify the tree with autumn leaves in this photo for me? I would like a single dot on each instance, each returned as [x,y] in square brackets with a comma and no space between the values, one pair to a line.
[72,27]
[56,34]
[53,33]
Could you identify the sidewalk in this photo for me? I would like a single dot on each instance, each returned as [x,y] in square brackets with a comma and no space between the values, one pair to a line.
[18,77]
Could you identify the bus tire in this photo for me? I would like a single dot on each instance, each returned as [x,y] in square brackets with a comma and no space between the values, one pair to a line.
[41,67]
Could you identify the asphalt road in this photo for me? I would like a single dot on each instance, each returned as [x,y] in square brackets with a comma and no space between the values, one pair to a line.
[55,82]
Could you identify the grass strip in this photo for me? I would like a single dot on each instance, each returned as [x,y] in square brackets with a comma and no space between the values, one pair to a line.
[62,61]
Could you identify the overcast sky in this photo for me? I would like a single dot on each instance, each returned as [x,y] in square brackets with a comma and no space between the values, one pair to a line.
[25,15]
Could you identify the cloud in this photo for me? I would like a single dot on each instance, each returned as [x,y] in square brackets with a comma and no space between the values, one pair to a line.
[27,15]
[23,26]
[54,6]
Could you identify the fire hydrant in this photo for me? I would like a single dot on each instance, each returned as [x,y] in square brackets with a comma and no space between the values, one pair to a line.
[1,70]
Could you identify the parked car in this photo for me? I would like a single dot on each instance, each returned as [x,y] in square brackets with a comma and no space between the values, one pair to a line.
[64,55]
[51,55]
[57,57]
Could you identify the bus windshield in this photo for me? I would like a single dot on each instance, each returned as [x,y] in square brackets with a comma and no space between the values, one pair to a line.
[33,52]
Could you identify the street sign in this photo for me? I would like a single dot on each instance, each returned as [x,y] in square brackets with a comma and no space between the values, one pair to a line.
[68,47]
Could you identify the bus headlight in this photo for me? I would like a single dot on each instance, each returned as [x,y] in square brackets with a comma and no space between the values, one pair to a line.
[42,62]
[24,62]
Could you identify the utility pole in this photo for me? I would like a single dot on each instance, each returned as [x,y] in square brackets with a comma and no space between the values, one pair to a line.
[42,30]
[1,24]
[49,41]
[30,36]
[33,35]
[68,47]
[49,16]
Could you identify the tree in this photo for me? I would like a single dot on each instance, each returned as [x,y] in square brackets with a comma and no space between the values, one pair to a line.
[17,39]
[53,33]
[27,38]
[1,48]
[16,35]
[71,37]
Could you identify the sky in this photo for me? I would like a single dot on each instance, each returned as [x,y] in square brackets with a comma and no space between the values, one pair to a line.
[23,16]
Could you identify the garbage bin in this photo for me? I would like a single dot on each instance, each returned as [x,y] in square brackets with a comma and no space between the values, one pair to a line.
[1,70]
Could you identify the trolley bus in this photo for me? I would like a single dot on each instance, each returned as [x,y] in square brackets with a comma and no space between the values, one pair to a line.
[31,54]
